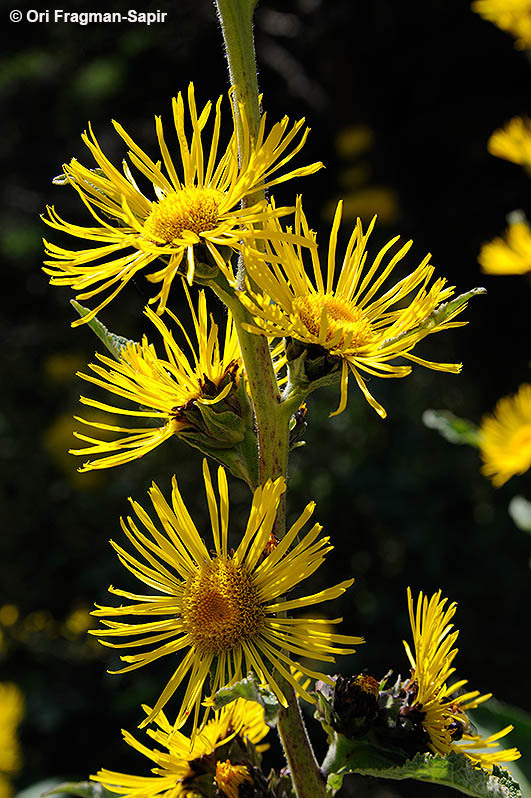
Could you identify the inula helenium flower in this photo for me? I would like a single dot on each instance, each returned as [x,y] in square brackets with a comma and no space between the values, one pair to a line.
[441,708]
[181,760]
[512,16]
[505,437]
[508,255]
[161,388]
[196,200]
[220,611]
[352,314]
[513,142]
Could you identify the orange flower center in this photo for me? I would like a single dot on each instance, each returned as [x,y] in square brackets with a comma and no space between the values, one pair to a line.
[229,777]
[221,607]
[338,315]
[194,210]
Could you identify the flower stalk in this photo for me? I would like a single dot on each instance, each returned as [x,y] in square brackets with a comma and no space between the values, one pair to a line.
[271,422]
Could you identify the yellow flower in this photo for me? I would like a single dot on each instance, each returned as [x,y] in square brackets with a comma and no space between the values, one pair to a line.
[164,387]
[348,316]
[505,437]
[184,759]
[439,708]
[11,713]
[513,16]
[513,142]
[224,607]
[509,255]
[6,788]
[196,201]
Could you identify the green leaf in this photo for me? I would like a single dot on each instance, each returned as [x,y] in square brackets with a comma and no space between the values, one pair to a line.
[114,343]
[455,771]
[251,690]
[520,511]
[85,789]
[38,788]
[444,313]
[62,179]
[448,309]
[494,715]
[454,429]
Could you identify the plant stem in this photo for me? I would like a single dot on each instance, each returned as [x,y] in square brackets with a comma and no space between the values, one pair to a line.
[236,17]
[304,769]
[271,420]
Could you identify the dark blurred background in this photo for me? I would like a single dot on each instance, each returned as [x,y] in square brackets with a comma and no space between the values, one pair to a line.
[401,99]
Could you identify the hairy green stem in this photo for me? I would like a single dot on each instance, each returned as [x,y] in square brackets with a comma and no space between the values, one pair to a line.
[236,17]
[270,418]
[304,769]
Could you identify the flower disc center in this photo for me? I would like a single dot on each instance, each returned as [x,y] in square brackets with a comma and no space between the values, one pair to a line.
[340,316]
[190,209]
[229,777]
[221,607]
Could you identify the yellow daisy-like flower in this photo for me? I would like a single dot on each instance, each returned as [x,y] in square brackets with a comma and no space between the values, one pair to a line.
[196,201]
[348,316]
[513,142]
[163,387]
[508,255]
[505,438]
[512,16]
[183,759]
[225,609]
[441,710]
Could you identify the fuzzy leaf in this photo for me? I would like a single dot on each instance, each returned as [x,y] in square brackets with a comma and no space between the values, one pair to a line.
[38,788]
[454,429]
[251,690]
[451,307]
[494,715]
[114,343]
[85,789]
[455,771]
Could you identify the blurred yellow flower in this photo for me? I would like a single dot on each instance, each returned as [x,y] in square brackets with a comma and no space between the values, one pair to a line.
[11,713]
[59,437]
[508,255]
[513,142]
[348,316]
[354,140]
[440,708]
[197,201]
[505,437]
[62,366]
[512,16]
[369,201]
[77,623]
[184,759]
[9,614]
[6,788]
[225,608]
